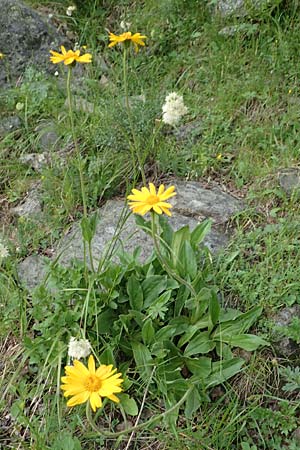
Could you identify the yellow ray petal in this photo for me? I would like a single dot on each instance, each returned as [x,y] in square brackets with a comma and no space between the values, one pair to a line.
[78,399]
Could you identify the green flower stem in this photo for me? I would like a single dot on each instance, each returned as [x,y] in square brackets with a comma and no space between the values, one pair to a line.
[141,426]
[69,97]
[136,146]
[164,263]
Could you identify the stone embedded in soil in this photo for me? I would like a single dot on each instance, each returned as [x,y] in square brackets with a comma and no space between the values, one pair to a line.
[238,8]
[9,124]
[26,38]
[193,199]
[192,205]
[289,180]
[31,206]
[284,346]
[32,271]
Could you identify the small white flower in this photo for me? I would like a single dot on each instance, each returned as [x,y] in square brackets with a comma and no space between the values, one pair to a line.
[70,10]
[3,251]
[50,16]
[79,348]
[56,73]
[125,25]
[173,109]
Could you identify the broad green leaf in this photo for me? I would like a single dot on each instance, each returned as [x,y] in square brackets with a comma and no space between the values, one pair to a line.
[153,286]
[192,329]
[165,333]
[129,404]
[200,344]
[199,233]
[143,360]
[135,293]
[223,370]
[248,342]
[171,419]
[148,332]
[179,237]
[193,403]
[201,367]
[105,321]
[237,326]
[188,262]
[107,356]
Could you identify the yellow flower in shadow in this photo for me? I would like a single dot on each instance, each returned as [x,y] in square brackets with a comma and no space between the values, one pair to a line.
[69,57]
[146,199]
[135,39]
[83,383]
[2,55]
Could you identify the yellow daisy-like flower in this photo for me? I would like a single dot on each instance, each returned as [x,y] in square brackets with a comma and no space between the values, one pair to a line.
[148,199]
[88,383]
[136,39]
[68,57]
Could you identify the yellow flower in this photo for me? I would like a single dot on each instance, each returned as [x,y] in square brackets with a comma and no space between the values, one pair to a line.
[86,383]
[1,55]
[68,57]
[147,199]
[219,156]
[136,39]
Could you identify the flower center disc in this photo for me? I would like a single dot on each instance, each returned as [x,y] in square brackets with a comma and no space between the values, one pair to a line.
[93,383]
[152,199]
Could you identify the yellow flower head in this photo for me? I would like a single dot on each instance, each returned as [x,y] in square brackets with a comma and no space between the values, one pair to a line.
[135,39]
[68,57]
[148,199]
[1,55]
[88,383]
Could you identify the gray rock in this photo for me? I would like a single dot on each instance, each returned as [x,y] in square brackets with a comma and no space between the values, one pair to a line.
[190,132]
[31,206]
[26,38]
[240,8]
[192,204]
[193,199]
[130,237]
[32,271]
[289,180]
[48,138]
[38,161]
[284,346]
[9,124]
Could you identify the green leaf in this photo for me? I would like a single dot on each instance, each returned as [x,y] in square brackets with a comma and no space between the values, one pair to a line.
[152,287]
[237,326]
[159,307]
[193,403]
[65,441]
[135,293]
[107,356]
[179,237]
[223,370]
[105,321]
[200,344]
[199,233]
[129,404]
[148,332]
[143,360]
[248,342]
[88,227]
[201,367]
[188,261]
[192,329]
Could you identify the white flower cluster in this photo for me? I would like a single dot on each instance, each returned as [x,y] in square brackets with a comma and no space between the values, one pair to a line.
[3,250]
[173,109]
[70,10]
[79,348]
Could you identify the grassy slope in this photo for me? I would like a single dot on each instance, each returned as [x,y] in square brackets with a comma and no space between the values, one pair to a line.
[244,91]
